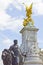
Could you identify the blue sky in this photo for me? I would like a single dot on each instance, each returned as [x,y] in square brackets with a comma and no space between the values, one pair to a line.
[12,13]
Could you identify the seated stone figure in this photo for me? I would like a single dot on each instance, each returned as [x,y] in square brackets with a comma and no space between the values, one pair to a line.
[6,57]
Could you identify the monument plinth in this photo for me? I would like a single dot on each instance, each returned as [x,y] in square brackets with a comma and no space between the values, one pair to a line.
[29,45]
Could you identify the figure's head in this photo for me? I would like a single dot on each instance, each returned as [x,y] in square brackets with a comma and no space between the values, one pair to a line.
[15,42]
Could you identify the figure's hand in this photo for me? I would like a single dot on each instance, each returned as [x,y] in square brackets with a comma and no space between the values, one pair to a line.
[12,52]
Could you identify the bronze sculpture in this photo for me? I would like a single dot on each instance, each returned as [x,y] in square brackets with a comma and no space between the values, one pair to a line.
[12,56]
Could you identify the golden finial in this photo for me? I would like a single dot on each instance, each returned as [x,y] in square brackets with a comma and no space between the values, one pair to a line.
[28,15]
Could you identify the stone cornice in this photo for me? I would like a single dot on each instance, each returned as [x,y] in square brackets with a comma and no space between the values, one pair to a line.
[29,29]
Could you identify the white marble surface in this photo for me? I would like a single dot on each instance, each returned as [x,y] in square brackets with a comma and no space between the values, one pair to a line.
[30,45]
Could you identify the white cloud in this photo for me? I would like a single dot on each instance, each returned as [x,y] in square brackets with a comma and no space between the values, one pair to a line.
[4,4]
[7,42]
[3,16]
[7,23]
[38,8]
[14,24]
[3,19]
[37,5]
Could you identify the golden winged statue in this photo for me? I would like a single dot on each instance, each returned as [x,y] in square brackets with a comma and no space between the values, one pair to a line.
[28,16]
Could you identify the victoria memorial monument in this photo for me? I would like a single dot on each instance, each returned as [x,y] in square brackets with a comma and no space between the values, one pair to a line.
[29,53]
[29,45]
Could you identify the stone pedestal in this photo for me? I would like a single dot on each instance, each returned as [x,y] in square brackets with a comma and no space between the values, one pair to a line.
[29,46]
